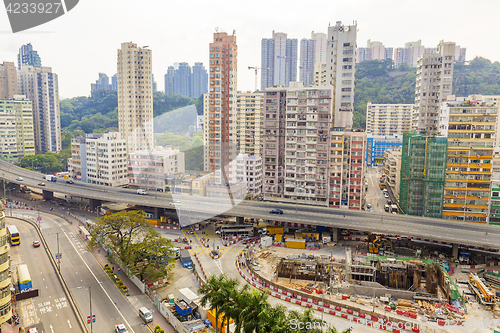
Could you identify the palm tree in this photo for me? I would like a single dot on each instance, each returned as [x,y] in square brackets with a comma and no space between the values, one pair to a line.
[274,320]
[229,292]
[213,293]
[252,305]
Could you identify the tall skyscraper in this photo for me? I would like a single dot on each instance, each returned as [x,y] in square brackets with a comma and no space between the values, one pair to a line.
[249,109]
[433,85]
[341,66]
[182,79]
[199,80]
[135,96]
[101,85]
[278,60]
[222,146]
[312,51]
[41,86]
[8,80]
[27,56]
[114,82]
[154,82]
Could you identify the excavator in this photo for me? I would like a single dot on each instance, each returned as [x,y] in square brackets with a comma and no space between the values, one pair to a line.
[377,244]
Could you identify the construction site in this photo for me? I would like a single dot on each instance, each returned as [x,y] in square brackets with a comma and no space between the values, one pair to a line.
[418,287]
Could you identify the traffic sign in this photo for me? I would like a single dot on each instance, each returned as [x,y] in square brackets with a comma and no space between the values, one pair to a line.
[39,218]
[58,255]
[88,319]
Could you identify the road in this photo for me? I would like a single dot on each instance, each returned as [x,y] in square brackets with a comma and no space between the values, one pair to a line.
[50,311]
[426,228]
[81,270]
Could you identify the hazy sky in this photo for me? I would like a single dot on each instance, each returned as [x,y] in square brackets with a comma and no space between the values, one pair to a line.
[84,42]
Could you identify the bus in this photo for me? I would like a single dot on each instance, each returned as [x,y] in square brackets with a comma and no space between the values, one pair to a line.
[23,277]
[13,235]
[240,230]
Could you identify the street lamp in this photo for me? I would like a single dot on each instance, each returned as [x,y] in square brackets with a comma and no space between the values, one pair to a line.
[97,211]
[90,317]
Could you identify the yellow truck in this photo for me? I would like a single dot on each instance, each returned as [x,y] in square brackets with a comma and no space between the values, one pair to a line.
[296,243]
[274,230]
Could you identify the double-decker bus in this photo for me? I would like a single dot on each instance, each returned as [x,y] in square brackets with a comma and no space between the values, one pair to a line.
[23,276]
[241,230]
[13,235]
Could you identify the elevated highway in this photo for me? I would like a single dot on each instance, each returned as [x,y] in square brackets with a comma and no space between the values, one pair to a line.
[455,232]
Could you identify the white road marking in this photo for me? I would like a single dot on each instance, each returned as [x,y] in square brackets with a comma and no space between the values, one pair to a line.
[100,284]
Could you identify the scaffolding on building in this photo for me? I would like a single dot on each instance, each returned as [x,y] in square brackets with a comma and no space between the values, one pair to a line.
[423,170]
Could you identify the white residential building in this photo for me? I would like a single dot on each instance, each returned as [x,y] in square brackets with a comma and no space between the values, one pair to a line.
[99,159]
[135,96]
[388,119]
[249,171]
[149,169]
[249,114]
[341,66]
[433,85]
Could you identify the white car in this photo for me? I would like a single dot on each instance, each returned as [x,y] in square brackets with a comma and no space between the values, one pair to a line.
[175,203]
[386,195]
[20,179]
[120,328]
[32,330]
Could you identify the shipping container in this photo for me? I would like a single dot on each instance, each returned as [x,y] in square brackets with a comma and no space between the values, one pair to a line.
[278,238]
[314,235]
[211,317]
[266,241]
[296,243]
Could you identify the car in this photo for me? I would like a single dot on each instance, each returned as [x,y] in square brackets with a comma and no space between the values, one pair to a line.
[41,184]
[276,211]
[369,206]
[32,330]
[69,181]
[120,328]
[175,203]
[386,195]
[141,191]
[19,179]
[36,244]
[244,241]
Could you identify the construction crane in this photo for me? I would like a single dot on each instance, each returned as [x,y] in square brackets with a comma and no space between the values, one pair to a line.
[256,70]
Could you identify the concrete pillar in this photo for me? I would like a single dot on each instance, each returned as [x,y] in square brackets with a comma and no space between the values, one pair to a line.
[157,213]
[47,195]
[94,203]
[455,251]
[240,220]
[335,234]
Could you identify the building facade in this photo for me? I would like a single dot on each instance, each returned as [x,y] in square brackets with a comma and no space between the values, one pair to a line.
[392,170]
[5,271]
[101,85]
[249,172]
[16,129]
[194,185]
[99,159]
[340,70]
[423,170]
[135,96]
[296,168]
[347,169]
[149,170]
[28,56]
[377,145]
[8,80]
[312,51]
[472,132]
[249,107]
[278,60]
[388,119]
[320,78]
[222,142]
[433,85]
[182,79]
[41,86]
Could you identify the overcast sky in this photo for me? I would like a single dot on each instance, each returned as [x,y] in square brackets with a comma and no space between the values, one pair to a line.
[84,42]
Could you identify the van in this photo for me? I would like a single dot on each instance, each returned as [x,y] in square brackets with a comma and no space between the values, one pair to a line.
[141,191]
[145,315]
[386,208]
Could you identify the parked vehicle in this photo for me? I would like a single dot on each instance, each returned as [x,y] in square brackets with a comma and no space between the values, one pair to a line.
[141,191]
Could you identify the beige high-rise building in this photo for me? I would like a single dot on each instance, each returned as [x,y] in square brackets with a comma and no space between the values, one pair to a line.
[221,132]
[135,96]
[41,86]
[320,74]
[388,119]
[433,85]
[340,69]
[8,80]
[5,271]
[249,108]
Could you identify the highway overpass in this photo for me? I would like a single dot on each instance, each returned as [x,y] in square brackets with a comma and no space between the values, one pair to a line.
[205,207]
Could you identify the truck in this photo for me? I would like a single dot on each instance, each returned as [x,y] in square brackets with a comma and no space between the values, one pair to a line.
[51,178]
[186,259]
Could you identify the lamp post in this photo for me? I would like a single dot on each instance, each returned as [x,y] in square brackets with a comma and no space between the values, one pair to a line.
[97,212]
[91,317]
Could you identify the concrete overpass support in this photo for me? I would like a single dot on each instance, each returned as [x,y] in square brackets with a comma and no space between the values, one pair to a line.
[48,195]
[94,203]
[455,251]
[158,212]
[240,220]
[335,234]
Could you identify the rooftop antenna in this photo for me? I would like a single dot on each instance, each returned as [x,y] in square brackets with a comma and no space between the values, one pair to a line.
[217,29]
[234,32]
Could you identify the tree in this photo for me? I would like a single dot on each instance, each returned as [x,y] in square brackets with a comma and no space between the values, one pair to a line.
[136,243]
[253,303]
[214,295]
